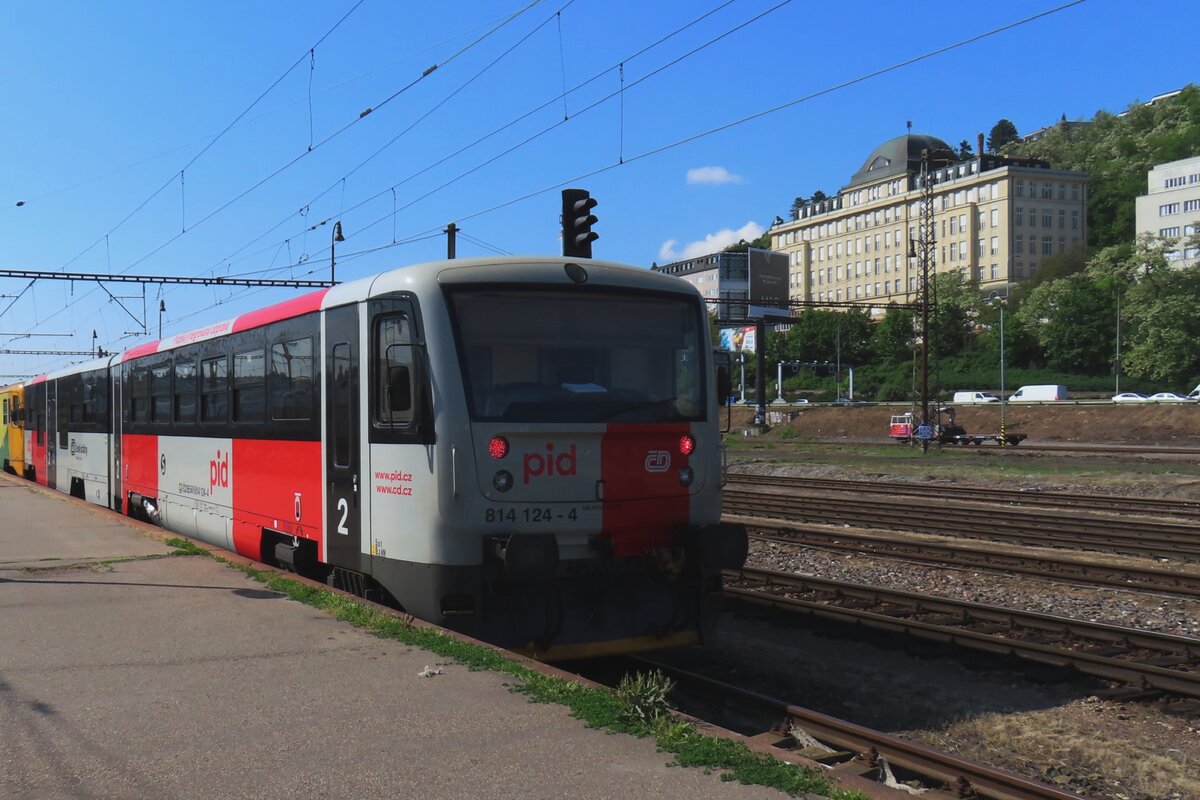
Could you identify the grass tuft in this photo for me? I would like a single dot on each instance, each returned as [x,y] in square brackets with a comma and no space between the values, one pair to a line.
[183,547]
[640,708]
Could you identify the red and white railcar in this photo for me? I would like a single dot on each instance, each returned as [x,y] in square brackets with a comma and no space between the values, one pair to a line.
[526,449]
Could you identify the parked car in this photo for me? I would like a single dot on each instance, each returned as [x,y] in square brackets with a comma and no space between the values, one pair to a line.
[845,401]
[1040,392]
[1129,397]
[800,401]
[1166,397]
[975,397]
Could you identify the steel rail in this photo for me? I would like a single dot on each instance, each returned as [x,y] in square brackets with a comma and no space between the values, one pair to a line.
[957,776]
[957,617]
[1010,497]
[1137,450]
[1051,567]
[1069,530]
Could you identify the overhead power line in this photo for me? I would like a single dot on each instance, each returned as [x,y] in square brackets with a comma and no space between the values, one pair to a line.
[218,137]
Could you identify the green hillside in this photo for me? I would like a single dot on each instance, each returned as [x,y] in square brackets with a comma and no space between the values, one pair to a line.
[1118,151]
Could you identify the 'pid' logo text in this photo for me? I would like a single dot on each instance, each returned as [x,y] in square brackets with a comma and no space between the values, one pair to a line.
[218,472]
[548,463]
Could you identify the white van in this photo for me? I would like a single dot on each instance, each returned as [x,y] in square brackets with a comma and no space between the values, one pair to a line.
[975,397]
[1039,393]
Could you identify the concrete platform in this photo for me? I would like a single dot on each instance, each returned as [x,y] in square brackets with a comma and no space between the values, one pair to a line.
[178,677]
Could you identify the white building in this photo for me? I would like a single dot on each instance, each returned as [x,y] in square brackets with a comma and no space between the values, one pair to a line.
[1171,208]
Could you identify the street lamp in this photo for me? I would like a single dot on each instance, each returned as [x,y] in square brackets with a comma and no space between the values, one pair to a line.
[742,388]
[337,237]
[1002,302]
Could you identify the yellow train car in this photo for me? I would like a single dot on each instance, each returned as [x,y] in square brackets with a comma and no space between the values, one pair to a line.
[12,429]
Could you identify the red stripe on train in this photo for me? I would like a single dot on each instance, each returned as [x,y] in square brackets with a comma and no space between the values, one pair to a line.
[280,311]
[643,499]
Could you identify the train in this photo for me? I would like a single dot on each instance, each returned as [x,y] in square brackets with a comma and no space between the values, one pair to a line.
[526,450]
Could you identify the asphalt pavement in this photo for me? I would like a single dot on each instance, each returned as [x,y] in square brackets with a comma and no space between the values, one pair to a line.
[129,673]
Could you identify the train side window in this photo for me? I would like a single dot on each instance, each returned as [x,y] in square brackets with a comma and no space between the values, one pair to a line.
[292,380]
[139,390]
[394,371]
[248,389]
[185,390]
[95,400]
[6,411]
[214,389]
[41,429]
[62,391]
[160,392]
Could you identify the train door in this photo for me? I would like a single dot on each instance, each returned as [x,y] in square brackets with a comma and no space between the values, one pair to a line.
[115,492]
[51,433]
[343,453]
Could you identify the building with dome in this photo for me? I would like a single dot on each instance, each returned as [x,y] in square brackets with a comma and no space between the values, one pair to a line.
[995,220]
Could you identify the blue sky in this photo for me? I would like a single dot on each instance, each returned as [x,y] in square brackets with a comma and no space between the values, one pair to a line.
[106,103]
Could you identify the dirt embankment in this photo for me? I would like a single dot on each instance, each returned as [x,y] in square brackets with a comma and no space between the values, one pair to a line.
[1124,424]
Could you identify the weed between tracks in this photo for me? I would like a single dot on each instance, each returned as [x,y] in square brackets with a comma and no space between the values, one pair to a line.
[639,709]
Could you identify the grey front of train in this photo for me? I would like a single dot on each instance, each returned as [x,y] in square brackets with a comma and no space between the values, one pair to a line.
[544,460]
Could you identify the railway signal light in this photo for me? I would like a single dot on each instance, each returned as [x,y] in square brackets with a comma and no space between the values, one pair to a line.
[577,222]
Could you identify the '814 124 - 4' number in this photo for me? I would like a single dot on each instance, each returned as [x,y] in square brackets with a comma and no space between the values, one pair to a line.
[528,515]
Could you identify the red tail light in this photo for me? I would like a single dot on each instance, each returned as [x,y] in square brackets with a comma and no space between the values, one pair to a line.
[498,447]
[686,444]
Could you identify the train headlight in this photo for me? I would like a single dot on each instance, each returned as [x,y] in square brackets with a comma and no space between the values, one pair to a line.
[502,480]
[498,447]
[686,476]
[687,445]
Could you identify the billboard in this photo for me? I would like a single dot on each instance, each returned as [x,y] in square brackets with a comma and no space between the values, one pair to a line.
[768,284]
[738,340]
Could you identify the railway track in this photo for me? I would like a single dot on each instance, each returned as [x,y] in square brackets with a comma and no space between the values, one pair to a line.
[1143,659]
[966,556]
[856,750]
[1073,530]
[1026,448]
[1181,509]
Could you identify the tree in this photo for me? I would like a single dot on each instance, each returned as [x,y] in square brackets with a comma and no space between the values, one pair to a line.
[965,151]
[818,196]
[1075,323]
[892,340]
[951,323]
[815,335]
[1165,327]
[797,205]
[1003,132]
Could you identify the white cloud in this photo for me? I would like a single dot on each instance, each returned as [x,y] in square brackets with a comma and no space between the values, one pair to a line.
[712,176]
[711,243]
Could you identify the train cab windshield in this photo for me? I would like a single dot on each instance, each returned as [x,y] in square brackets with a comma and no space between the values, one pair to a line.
[581,357]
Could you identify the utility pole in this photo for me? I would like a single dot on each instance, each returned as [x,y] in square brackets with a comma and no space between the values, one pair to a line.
[162,306]
[451,232]
[924,252]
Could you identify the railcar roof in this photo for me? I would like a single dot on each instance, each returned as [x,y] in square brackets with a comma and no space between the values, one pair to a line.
[422,278]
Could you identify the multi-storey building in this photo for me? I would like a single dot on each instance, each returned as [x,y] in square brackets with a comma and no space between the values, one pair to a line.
[995,221]
[719,277]
[1171,207]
